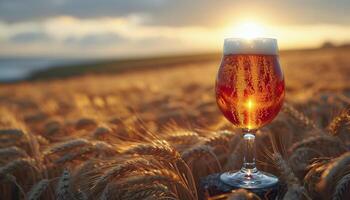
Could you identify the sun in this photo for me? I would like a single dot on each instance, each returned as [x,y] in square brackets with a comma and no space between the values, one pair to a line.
[246,29]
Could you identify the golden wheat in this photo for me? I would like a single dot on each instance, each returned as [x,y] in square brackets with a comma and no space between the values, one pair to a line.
[119,171]
[162,151]
[38,189]
[62,190]
[158,190]
[163,176]
[342,188]
[127,136]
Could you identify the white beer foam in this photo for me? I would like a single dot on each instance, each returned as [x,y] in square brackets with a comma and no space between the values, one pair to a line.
[266,46]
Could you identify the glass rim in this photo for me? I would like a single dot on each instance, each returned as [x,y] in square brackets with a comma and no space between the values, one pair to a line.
[253,38]
[258,45]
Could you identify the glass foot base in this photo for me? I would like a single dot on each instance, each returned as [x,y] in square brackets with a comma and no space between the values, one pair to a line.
[249,179]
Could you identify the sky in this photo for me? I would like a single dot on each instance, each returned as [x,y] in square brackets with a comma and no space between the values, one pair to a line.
[131,28]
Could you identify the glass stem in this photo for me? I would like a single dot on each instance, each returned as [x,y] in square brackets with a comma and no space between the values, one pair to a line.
[249,153]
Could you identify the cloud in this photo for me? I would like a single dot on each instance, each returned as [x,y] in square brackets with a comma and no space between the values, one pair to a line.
[18,10]
[96,40]
[120,36]
[29,37]
[113,27]
[181,12]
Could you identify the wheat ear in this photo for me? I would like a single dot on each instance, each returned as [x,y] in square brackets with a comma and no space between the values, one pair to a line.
[70,156]
[37,190]
[218,140]
[183,137]
[342,188]
[17,164]
[12,153]
[66,146]
[337,122]
[16,133]
[333,170]
[162,176]
[161,151]
[285,170]
[199,151]
[295,190]
[333,144]
[144,192]
[119,171]
[12,179]
[298,116]
[62,190]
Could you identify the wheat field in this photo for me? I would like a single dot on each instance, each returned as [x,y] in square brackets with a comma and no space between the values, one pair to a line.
[152,134]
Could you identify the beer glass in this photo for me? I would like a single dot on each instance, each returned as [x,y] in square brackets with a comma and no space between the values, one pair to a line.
[250,92]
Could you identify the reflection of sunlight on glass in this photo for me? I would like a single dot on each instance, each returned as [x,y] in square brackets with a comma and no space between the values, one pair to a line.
[247,30]
[250,106]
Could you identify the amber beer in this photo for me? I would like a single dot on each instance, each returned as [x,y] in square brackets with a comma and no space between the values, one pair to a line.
[250,93]
[250,87]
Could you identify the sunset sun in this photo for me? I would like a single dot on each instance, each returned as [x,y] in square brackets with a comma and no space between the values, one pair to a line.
[177,100]
[246,29]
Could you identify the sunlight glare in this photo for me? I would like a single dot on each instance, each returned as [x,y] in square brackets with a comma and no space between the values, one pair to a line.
[247,29]
[250,104]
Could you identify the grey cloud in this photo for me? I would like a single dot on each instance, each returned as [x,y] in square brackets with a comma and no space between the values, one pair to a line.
[26,10]
[150,41]
[29,37]
[113,38]
[95,39]
[179,12]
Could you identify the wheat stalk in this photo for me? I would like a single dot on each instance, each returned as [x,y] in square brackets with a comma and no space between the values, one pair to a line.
[62,190]
[41,140]
[16,133]
[12,179]
[119,171]
[337,122]
[105,195]
[333,144]
[12,153]
[85,177]
[301,158]
[161,151]
[104,147]
[295,191]
[18,164]
[37,190]
[61,147]
[286,172]
[99,147]
[85,123]
[78,154]
[199,151]
[161,176]
[218,140]
[146,191]
[333,171]
[342,188]
[81,195]
[313,176]
[101,131]
[183,137]
[298,116]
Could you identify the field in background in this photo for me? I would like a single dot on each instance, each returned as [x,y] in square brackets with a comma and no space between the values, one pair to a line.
[164,110]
